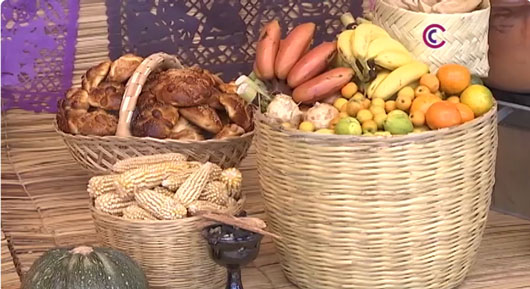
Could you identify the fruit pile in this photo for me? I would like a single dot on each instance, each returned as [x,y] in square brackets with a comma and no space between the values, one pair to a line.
[365,83]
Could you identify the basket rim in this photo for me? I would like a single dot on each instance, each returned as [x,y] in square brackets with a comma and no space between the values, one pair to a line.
[163,141]
[486,9]
[310,136]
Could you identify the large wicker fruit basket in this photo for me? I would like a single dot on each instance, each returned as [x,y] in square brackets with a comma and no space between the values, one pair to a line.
[379,212]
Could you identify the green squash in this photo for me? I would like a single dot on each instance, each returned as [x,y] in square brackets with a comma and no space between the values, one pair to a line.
[84,268]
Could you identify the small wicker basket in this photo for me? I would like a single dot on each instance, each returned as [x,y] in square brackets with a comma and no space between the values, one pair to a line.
[378,212]
[98,153]
[437,39]
[173,254]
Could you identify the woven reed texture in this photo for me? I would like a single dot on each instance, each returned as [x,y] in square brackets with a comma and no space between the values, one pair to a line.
[173,254]
[44,198]
[10,279]
[468,46]
[358,212]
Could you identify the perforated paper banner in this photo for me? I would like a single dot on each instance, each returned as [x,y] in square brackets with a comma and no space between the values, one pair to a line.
[38,45]
[216,34]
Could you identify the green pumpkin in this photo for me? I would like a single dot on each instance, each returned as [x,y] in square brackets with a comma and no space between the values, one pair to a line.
[84,268]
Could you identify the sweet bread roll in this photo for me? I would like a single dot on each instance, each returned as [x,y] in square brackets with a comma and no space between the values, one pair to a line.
[107,95]
[97,122]
[238,110]
[185,131]
[145,99]
[185,87]
[123,68]
[95,75]
[77,98]
[155,121]
[62,121]
[203,116]
[230,130]
[230,87]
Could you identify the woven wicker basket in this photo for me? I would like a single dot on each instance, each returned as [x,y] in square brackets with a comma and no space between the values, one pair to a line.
[98,153]
[173,254]
[378,212]
[468,47]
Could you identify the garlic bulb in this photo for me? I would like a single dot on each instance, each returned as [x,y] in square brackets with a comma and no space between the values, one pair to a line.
[321,114]
[283,109]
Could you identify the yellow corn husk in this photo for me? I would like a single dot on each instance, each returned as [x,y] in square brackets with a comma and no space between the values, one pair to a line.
[147,176]
[135,212]
[112,203]
[192,188]
[134,163]
[100,185]
[160,206]
[216,193]
[198,207]
[232,178]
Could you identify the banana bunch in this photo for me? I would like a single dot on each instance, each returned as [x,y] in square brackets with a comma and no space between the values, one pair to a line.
[382,64]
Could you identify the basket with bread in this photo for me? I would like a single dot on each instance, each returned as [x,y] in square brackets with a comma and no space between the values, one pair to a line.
[133,107]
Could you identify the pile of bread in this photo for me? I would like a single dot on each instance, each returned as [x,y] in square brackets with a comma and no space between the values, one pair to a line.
[186,104]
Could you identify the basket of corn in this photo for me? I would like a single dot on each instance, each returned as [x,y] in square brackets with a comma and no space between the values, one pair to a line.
[149,207]
[134,107]
[375,171]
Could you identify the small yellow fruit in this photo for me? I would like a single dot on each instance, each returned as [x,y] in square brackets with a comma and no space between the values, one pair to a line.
[439,94]
[364,115]
[344,108]
[286,125]
[366,103]
[349,90]
[420,129]
[325,131]
[390,105]
[454,99]
[378,102]
[334,121]
[359,97]
[407,92]
[479,98]
[307,126]
[380,120]
[353,108]
[339,103]
[343,114]
[417,118]
[377,109]
[403,103]
[422,90]
[430,81]
[368,134]
[369,126]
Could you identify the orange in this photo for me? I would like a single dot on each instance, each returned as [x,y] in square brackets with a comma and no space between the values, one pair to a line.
[422,103]
[454,78]
[430,81]
[417,118]
[454,99]
[443,114]
[465,112]
[422,90]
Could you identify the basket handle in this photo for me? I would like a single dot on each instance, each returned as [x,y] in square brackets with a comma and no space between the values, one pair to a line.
[135,84]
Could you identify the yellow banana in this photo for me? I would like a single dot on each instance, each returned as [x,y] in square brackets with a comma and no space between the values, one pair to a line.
[392,59]
[365,33]
[400,78]
[382,44]
[346,52]
[375,83]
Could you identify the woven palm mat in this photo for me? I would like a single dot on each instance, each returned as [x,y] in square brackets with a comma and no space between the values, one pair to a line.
[10,279]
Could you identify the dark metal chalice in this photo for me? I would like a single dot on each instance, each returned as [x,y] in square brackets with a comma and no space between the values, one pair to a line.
[232,248]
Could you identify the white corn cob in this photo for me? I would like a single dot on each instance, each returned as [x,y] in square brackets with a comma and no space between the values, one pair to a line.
[216,193]
[199,206]
[174,181]
[135,212]
[147,176]
[232,179]
[216,172]
[100,185]
[160,206]
[112,203]
[163,191]
[192,188]
[133,163]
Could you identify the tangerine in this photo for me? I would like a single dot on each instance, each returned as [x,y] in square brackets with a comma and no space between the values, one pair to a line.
[465,112]
[430,81]
[422,103]
[454,99]
[454,78]
[443,114]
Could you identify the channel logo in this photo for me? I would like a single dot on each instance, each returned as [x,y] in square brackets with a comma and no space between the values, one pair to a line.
[428,34]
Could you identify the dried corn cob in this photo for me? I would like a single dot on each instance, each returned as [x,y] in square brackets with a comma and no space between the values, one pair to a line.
[216,193]
[134,163]
[232,178]
[135,212]
[216,172]
[147,176]
[163,191]
[100,185]
[174,181]
[192,188]
[198,207]
[112,203]
[160,206]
